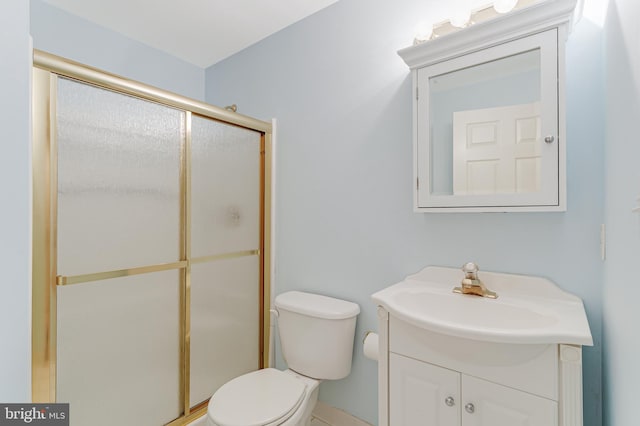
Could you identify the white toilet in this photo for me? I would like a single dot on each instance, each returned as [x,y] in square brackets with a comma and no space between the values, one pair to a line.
[316,336]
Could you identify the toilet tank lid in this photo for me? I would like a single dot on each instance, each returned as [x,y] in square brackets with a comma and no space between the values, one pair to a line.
[315,305]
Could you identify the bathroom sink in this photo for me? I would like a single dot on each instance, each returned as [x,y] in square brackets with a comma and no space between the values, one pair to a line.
[528,309]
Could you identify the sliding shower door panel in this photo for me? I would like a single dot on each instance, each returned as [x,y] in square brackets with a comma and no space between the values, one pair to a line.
[225,323]
[119,350]
[225,188]
[119,208]
[225,243]
[119,180]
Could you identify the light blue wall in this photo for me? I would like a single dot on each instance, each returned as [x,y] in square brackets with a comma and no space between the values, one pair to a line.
[63,34]
[345,225]
[622,285]
[15,333]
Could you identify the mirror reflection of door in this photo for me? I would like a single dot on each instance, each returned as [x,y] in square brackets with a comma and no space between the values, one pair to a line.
[497,150]
[489,89]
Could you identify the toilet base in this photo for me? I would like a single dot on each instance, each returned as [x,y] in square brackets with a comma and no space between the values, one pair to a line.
[302,417]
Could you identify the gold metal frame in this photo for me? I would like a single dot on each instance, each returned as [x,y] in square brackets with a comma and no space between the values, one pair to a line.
[185,254]
[85,278]
[71,69]
[267,197]
[43,335]
[47,67]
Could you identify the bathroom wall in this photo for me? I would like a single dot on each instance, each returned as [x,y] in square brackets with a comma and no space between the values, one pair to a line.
[345,225]
[621,284]
[69,36]
[15,333]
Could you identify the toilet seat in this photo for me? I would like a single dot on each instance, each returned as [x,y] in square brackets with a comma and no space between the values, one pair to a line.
[265,397]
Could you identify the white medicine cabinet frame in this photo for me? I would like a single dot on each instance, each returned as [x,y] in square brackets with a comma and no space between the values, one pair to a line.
[489,114]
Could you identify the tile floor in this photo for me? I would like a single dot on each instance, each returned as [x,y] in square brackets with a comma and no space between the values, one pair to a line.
[314,422]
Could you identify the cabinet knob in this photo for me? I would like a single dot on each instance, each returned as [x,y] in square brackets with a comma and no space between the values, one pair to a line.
[470,408]
[549,139]
[450,401]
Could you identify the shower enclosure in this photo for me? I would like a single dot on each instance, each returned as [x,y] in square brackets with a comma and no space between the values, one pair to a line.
[150,239]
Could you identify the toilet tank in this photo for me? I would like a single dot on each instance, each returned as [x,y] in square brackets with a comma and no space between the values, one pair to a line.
[316,334]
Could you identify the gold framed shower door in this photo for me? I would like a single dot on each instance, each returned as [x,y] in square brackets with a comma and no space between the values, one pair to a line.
[45,279]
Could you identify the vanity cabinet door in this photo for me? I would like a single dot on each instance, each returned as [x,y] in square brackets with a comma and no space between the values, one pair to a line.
[488,404]
[421,394]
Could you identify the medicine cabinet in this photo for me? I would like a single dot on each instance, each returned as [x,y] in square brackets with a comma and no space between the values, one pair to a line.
[488,114]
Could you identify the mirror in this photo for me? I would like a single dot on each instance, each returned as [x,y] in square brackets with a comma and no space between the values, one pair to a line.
[488,129]
[485,127]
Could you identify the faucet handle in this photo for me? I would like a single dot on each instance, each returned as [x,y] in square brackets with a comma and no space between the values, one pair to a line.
[471,284]
[470,268]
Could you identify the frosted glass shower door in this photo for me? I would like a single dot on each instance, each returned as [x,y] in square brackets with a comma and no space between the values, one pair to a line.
[118,180]
[149,269]
[119,203]
[118,350]
[225,243]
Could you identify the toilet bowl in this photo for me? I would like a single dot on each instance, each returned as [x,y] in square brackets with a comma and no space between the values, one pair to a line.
[316,336]
[266,397]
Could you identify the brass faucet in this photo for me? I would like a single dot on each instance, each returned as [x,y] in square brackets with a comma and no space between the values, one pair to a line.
[471,284]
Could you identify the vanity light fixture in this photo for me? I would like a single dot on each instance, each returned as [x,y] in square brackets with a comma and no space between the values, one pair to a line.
[464,17]
[504,6]
[422,32]
[461,14]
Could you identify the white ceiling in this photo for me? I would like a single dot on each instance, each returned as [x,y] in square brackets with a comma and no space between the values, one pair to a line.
[201,32]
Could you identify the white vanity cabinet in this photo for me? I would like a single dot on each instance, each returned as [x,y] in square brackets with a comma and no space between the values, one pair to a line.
[450,359]
[431,379]
[421,393]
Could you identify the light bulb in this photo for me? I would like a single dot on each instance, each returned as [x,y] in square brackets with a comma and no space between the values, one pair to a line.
[504,6]
[461,14]
[422,32]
